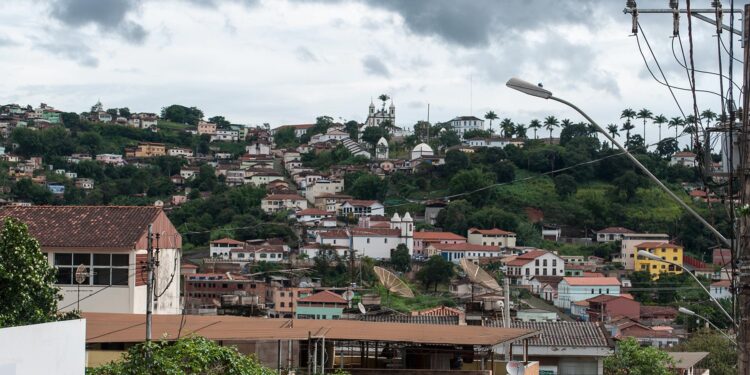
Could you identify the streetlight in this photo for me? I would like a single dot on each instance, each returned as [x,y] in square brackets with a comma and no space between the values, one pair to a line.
[539,92]
[692,313]
[646,254]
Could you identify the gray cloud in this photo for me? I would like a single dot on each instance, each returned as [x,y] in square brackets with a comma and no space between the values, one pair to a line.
[72,50]
[108,16]
[477,23]
[216,3]
[7,42]
[305,55]
[374,66]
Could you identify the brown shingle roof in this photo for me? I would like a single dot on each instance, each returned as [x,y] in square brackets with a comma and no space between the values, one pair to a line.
[570,334]
[85,226]
[438,236]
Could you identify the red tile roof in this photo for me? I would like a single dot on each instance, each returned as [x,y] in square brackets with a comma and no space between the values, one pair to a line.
[363,203]
[615,230]
[281,197]
[592,281]
[227,241]
[336,233]
[381,232]
[323,297]
[657,245]
[722,284]
[85,226]
[463,247]
[491,232]
[533,254]
[438,236]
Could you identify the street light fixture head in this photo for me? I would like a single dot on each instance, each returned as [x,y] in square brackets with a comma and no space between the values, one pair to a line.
[651,256]
[528,88]
[686,311]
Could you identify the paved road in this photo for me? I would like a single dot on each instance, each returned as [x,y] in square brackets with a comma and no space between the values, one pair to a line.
[539,303]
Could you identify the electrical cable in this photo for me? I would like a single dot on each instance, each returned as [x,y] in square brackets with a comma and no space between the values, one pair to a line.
[97,292]
[728,52]
[696,143]
[674,53]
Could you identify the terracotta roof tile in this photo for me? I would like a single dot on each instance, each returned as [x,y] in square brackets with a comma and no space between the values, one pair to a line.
[438,236]
[85,226]
[493,231]
[591,281]
[463,247]
[562,334]
[325,296]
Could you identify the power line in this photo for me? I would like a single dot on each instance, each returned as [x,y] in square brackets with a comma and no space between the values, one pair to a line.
[699,70]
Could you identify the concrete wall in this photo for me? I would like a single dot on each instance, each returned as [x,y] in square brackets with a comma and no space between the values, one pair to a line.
[49,348]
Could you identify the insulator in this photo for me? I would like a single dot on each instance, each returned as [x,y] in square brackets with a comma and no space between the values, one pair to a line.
[674,4]
[675,23]
[635,22]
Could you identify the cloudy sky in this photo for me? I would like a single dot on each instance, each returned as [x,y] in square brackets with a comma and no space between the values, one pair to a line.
[288,61]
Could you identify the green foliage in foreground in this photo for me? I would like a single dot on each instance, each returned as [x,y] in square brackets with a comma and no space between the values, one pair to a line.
[632,359]
[192,355]
[722,354]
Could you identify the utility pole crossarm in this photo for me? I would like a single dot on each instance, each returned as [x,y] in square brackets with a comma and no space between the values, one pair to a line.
[697,13]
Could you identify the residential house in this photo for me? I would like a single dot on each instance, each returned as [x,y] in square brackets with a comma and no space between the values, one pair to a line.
[279,202]
[536,315]
[313,249]
[721,289]
[683,158]
[424,239]
[645,335]
[189,172]
[111,242]
[375,243]
[259,253]
[664,250]
[206,128]
[612,234]
[454,252]
[357,208]
[281,301]
[572,289]
[538,284]
[113,159]
[323,186]
[604,307]
[322,305]
[492,237]
[658,315]
[207,289]
[331,202]
[534,263]
[721,257]
[150,149]
[85,183]
[313,215]
[225,136]
[261,176]
[220,248]
[258,148]
[432,209]
[180,152]
[685,363]
[630,241]
[299,129]
[331,134]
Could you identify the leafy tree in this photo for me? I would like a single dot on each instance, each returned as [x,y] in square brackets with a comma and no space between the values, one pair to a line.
[468,181]
[667,147]
[520,131]
[284,138]
[565,185]
[400,258]
[29,142]
[508,127]
[220,122]
[626,186]
[631,358]
[26,278]
[352,127]
[437,270]
[636,144]
[477,133]
[181,114]
[112,112]
[91,142]
[193,355]
[722,355]
[372,134]
[368,186]
[455,161]
[455,217]
[493,217]
[124,112]
[504,171]
[449,138]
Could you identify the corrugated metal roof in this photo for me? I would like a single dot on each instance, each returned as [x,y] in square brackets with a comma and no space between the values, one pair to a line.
[576,334]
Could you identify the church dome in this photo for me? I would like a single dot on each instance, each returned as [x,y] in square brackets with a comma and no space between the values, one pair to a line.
[423,148]
[382,142]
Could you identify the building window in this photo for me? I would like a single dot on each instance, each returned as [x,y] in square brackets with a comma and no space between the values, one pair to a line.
[544,262]
[368,240]
[554,271]
[107,269]
[536,262]
[592,291]
[554,262]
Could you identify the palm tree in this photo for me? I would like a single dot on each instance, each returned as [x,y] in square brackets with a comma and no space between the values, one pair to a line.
[644,114]
[507,127]
[520,131]
[627,127]
[613,130]
[628,113]
[565,123]
[535,124]
[551,122]
[491,115]
[709,116]
[384,98]
[659,121]
[676,123]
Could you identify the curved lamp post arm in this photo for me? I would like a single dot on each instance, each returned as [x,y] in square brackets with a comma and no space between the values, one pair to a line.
[647,172]
[692,313]
[709,295]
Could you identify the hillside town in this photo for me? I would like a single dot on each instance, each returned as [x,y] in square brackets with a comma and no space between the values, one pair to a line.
[357,188]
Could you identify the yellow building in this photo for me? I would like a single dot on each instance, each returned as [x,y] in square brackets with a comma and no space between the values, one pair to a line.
[150,149]
[665,250]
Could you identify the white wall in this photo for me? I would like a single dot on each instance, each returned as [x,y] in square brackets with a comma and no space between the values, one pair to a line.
[114,299]
[49,348]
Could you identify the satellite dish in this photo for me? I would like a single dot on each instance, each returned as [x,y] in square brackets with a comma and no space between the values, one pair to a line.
[479,276]
[361,308]
[348,295]
[81,274]
[515,368]
[392,283]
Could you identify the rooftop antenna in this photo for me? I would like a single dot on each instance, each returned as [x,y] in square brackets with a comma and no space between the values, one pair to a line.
[392,283]
[81,275]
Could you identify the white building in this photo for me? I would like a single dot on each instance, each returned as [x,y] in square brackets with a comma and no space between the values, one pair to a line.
[258,148]
[612,234]
[313,215]
[181,152]
[535,263]
[421,150]
[114,159]
[381,149]
[492,237]
[188,172]
[259,253]
[279,202]
[456,251]
[323,186]
[462,124]
[721,289]
[573,289]
[259,177]
[111,242]
[377,117]
[684,158]
[226,136]
[220,248]
[357,208]
[331,134]
[375,243]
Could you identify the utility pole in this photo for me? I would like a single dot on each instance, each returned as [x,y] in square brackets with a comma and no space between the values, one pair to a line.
[743,263]
[149,281]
